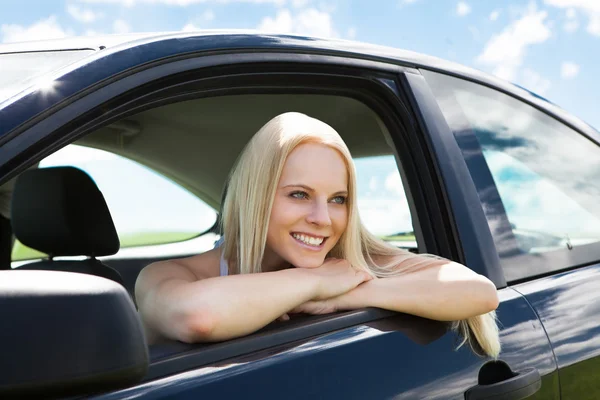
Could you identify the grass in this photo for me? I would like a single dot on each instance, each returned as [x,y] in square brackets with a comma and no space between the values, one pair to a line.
[21,252]
[400,238]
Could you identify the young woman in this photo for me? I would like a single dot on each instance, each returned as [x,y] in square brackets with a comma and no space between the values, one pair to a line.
[294,242]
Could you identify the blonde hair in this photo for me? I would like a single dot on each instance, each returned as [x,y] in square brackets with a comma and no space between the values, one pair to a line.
[247,207]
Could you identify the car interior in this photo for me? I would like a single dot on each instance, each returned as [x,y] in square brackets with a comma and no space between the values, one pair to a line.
[60,212]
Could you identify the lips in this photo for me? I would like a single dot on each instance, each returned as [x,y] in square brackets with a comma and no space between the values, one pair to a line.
[313,241]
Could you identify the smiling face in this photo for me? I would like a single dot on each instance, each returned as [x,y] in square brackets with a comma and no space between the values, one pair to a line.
[309,213]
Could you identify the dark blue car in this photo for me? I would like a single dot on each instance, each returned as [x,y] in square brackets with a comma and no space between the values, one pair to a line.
[114,153]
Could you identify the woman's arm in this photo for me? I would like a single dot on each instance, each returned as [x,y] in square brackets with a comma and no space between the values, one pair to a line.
[173,302]
[443,291]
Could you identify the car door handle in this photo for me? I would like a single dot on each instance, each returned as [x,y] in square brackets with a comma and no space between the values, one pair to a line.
[497,381]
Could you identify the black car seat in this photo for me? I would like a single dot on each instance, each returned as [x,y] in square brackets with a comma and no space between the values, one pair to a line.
[61,212]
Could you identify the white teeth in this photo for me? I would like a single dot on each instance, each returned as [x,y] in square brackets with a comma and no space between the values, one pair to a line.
[308,239]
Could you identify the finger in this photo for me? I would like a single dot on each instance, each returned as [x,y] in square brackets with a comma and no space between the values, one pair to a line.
[284,317]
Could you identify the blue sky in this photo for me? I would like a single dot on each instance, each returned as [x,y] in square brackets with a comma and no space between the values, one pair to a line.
[548,46]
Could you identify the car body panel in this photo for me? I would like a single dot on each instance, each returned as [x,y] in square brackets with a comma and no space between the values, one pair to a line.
[568,305]
[401,357]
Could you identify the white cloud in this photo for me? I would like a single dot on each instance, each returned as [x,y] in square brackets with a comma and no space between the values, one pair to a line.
[300,3]
[590,7]
[197,23]
[92,32]
[494,15]
[82,15]
[47,28]
[373,184]
[572,23]
[474,32]
[569,70]
[594,25]
[351,33]
[463,8]
[208,15]
[405,2]
[310,22]
[535,82]
[505,51]
[190,28]
[181,3]
[121,26]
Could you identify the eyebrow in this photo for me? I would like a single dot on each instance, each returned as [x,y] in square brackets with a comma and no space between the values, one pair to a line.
[345,192]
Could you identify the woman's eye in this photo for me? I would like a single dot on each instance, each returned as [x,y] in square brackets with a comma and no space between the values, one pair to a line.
[339,200]
[299,195]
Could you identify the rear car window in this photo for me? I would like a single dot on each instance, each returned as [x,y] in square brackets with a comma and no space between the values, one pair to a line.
[19,70]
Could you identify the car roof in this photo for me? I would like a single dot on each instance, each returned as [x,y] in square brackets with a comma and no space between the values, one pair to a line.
[329,46]
[358,49]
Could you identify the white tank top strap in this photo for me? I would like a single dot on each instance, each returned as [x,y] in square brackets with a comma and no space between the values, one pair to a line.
[223,267]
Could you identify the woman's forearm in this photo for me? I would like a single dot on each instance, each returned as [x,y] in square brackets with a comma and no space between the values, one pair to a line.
[222,308]
[447,293]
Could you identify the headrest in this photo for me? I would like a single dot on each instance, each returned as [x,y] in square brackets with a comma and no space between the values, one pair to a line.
[61,212]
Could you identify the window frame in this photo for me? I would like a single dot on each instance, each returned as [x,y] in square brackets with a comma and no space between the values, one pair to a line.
[517,268]
[376,84]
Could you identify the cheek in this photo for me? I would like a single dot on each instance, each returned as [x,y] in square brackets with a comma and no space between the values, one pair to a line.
[339,219]
[283,216]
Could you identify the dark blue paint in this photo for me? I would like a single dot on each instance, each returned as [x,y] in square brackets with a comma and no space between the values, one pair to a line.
[568,305]
[402,358]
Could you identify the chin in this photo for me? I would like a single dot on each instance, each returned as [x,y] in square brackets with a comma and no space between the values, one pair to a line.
[308,264]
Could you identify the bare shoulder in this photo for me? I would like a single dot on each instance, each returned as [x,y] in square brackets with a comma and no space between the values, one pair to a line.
[187,269]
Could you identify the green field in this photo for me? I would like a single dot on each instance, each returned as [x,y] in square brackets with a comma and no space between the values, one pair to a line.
[21,252]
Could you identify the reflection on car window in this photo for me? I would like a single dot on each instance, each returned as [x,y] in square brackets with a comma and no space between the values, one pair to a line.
[382,202]
[547,175]
[18,70]
[147,208]
[543,217]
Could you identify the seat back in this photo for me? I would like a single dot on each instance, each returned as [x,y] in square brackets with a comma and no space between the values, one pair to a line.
[61,212]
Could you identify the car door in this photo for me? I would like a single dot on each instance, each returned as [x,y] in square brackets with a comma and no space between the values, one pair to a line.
[359,354]
[539,182]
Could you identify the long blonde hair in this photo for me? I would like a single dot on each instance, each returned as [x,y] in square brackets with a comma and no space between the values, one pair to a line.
[247,208]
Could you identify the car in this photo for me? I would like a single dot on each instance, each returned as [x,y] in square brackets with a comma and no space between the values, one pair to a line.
[115,152]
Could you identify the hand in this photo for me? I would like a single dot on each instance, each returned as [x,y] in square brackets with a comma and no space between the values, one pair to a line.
[336,277]
[354,299]
[283,318]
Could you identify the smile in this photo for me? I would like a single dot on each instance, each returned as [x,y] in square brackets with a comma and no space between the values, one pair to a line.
[309,240]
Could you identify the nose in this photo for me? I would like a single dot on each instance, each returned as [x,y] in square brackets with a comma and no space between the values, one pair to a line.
[319,214]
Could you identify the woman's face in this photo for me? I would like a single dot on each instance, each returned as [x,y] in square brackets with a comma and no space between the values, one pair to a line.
[309,210]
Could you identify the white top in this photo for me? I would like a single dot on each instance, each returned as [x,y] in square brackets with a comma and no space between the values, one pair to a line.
[223,267]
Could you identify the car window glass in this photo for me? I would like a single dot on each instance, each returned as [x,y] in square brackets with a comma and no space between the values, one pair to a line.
[547,175]
[382,202]
[18,70]
[141,201]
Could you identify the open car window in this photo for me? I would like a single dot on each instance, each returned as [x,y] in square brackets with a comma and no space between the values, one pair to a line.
[147,208]
[382,202]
